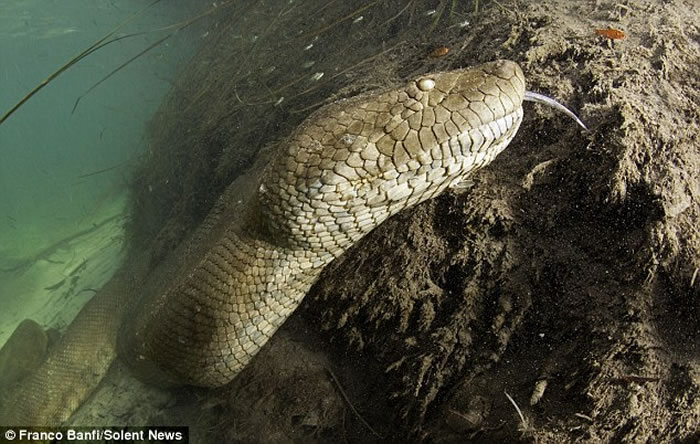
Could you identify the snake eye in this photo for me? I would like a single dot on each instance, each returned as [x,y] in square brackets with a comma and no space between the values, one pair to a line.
[426,84]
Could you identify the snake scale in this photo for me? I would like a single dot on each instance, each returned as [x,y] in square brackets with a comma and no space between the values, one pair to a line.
[348,167]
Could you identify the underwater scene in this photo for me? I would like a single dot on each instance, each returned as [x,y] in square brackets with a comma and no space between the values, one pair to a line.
[304,221]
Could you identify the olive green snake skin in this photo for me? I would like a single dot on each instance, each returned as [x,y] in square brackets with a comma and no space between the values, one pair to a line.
[341,173]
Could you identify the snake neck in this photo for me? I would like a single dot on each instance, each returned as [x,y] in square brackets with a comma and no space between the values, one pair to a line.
[206,325]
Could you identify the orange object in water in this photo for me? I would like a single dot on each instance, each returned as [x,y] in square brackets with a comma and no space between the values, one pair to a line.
[612,34]
[439,52]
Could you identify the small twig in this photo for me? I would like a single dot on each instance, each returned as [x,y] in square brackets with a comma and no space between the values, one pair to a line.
[517,409]
[400,12]
[582,416]
[104,170]
[117,69]
[438,16]
[637,379]
[352,407]
[266,102]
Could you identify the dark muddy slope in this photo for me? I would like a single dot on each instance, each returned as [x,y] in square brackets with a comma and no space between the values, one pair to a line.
[565,276]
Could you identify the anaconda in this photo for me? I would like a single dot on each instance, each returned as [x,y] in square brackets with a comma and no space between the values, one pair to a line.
[347,168]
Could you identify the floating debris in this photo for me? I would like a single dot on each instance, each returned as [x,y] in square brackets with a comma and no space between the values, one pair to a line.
[438,52]
[610,33]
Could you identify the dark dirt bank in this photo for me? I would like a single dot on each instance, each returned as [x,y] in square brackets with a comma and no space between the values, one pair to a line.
[566,276]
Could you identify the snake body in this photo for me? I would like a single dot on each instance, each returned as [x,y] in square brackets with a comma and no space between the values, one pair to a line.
[341,173]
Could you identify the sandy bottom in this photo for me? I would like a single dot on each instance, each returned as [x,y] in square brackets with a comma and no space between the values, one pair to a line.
[49,276]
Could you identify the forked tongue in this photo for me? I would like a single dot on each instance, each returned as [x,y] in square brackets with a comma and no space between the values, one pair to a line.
[545,100]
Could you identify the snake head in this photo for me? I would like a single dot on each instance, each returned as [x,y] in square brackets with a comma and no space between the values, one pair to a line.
[355,162]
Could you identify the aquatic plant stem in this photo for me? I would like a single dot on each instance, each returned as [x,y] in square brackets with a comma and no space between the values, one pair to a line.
[73,61]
